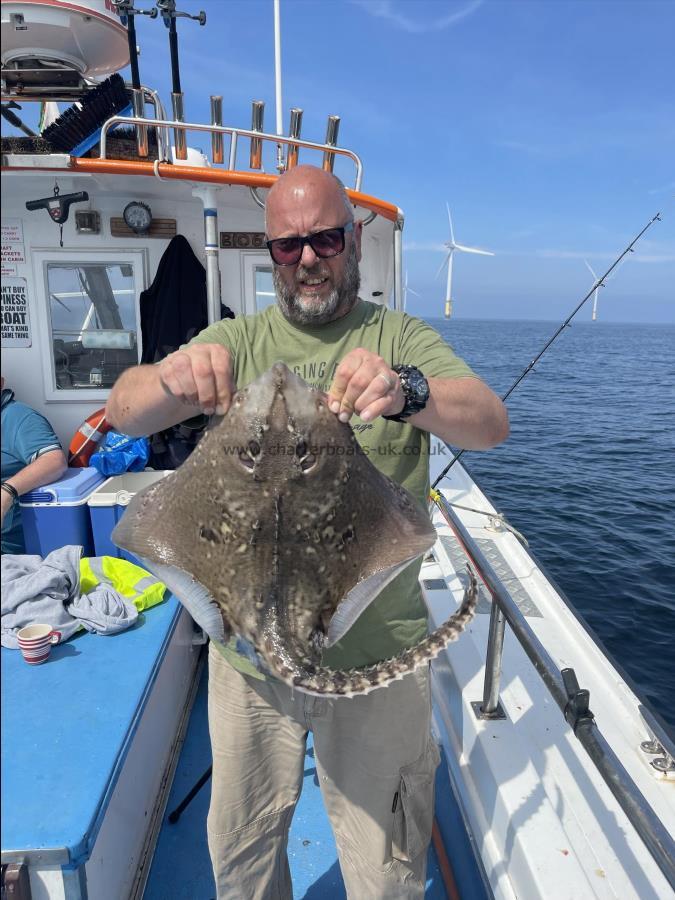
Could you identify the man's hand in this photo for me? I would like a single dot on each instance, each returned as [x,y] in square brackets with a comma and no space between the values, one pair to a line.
[365,384]
[199,375]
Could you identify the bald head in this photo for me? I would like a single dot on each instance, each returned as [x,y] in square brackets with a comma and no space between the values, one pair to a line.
[317,289]
[306,186]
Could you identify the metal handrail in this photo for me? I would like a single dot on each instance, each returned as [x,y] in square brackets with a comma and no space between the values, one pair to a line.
[163,146]
[573,704]
[149,94]
[235,134]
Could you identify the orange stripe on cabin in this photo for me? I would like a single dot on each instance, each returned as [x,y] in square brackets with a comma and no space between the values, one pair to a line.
[201,174]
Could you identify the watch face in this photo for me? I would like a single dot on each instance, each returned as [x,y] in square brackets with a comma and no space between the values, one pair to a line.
[137,216]
[418,386]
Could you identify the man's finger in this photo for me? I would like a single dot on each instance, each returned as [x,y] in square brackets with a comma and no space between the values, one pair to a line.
[224,382]
[388,405]
[344,374]
[370,382]
[176,378]
[383,383]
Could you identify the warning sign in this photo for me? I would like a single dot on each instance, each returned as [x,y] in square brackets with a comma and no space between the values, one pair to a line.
[15,319]
[12,231]
[12,243]
[12,254]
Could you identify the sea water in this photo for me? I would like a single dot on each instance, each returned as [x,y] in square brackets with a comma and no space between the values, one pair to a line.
[588,475]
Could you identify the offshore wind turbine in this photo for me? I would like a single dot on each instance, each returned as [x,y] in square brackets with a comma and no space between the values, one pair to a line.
[452,246]
[594,315]
[407,290]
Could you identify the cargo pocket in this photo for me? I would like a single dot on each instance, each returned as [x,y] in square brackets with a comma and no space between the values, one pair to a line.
[414,806]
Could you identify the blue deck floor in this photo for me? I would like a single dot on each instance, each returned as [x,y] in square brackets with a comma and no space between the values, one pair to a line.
[181,869]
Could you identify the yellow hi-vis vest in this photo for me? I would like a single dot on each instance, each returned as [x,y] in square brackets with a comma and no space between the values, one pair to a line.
[134,583]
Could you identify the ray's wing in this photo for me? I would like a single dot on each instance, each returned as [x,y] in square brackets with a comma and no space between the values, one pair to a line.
[151,530]
[394,531]
[359,598]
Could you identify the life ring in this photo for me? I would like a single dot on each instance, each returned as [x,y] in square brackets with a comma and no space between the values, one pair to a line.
[86,438]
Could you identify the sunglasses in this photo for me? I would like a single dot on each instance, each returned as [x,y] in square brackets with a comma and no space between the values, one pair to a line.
[288,251]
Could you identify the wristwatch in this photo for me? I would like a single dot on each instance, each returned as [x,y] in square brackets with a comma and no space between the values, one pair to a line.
[415,391]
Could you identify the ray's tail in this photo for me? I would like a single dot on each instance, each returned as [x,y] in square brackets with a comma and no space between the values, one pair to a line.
[323,681]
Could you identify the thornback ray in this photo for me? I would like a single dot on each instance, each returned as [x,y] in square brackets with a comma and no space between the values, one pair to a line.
[279,530]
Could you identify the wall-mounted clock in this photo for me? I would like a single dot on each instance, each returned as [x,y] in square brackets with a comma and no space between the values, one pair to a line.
[137,216]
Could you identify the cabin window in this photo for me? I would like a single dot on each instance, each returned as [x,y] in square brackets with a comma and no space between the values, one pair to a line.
[257,284]
[93,321]
[264,288]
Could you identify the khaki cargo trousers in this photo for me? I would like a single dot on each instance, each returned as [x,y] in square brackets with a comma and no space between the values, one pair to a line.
[375,761]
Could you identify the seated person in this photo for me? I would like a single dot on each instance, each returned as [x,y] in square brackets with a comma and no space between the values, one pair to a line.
[31,456]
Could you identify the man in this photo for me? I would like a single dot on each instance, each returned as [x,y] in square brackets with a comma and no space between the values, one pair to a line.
[31,456]
[374,754]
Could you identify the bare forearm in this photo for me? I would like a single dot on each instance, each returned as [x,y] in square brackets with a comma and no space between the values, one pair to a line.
[139,405]
[147,399]
[43,470]
[464,412]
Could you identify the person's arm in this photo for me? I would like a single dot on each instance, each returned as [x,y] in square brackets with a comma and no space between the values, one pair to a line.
[48,467]
[147,399]
[462,411]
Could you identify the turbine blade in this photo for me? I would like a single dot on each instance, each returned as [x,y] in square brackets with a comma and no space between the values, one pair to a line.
[590,270]
[414,293]
[443,264]
[473,250]
[452,233]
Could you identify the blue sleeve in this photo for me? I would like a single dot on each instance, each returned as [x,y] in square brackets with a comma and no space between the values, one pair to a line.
[34,437]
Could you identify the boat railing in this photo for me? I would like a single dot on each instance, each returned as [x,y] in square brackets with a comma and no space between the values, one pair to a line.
[563,686]
[256,138]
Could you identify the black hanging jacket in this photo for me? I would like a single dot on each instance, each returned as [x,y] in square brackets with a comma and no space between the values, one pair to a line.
[173,311]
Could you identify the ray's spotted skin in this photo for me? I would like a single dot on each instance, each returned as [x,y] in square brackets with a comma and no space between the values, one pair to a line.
[278,529]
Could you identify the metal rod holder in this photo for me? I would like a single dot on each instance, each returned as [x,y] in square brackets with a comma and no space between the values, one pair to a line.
[257,114]
[180,144]
[235,134]
[138,104]
[216,137]
[490,708]
[294,132]
[331,140]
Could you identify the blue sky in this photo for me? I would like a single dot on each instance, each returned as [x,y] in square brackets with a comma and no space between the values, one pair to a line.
[548,126]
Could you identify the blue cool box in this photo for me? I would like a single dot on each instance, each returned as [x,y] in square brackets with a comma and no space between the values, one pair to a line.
[108,503]
[57,514]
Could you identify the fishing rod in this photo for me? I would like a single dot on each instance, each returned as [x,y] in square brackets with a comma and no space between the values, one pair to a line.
[127,13]
[526,371]
[169,14]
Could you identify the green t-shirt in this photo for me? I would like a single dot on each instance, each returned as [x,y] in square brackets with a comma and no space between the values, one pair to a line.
[397,618]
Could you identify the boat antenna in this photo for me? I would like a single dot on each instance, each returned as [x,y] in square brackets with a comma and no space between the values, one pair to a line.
[526,371]
[169,15]
[277,80]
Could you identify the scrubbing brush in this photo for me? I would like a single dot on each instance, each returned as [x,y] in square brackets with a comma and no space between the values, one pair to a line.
[79,128]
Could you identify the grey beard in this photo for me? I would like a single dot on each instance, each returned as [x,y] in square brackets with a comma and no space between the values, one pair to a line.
[340,300]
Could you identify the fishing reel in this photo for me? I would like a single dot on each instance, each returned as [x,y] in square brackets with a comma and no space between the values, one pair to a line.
[168,10]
